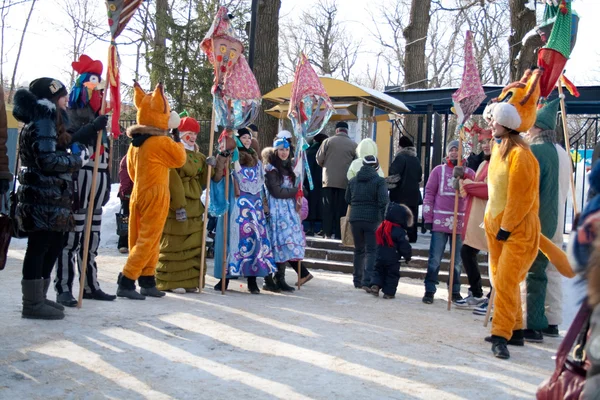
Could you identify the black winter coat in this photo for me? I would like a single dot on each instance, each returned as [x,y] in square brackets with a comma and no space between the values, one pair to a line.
[315,198]
[407,167]
[367,195]
[401,215]
[46,187]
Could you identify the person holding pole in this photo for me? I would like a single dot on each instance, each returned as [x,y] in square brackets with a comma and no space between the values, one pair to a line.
[150,156]
[45,195]
[85,102]
[438,215]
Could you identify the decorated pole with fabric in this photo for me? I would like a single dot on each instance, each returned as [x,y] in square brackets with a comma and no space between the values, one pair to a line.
[466,100]
[310,110]
[119,13]
[236,98]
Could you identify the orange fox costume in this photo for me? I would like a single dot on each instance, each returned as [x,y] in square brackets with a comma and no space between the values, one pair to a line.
[513,185]
[148,166]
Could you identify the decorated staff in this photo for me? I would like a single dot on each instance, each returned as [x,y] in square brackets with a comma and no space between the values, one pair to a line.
[119,13]
[310,110]
[466,100]
[236,102]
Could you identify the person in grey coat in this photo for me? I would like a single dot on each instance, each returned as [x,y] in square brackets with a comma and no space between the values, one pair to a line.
[335,156]
[368,197]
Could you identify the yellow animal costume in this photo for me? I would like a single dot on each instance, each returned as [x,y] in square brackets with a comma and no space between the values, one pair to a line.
[513,185]
[149,158]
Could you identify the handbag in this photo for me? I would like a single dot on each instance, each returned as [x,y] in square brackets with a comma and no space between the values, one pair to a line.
[122,223]
[16,230]
[346,230]
[6,227]
[568,380]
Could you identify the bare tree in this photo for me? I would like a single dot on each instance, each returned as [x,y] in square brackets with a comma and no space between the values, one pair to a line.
[12,81]
[522,20]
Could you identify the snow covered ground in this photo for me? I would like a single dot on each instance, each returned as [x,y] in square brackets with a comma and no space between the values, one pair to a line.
[326,341]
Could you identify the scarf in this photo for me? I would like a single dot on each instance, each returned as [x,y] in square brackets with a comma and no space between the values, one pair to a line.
[383,235]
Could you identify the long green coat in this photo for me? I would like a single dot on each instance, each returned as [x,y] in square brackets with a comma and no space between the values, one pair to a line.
[181,242]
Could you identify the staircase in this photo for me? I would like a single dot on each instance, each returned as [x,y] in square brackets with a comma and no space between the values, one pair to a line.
[330,255]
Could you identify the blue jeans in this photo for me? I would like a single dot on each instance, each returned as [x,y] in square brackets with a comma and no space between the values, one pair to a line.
[436,252]
[365,247]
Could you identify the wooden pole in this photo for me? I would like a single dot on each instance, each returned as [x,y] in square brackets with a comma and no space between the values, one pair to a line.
[454,225]
[489,310]
[563,112]
[206,203]
[225,231]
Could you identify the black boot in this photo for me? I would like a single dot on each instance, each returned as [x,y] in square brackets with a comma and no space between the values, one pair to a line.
[269,285]
[99,295]
[534,336]
[66,299]
[34,306]
[127,288]
[252,286]
[50,302]
[148,286]
[515,340]
[218,285]
[280,278]
[499,348]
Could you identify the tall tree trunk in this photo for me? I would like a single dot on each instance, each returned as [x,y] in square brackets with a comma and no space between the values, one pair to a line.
[266,64]
[14,75]
[159,52]
[415,68]
[522,20]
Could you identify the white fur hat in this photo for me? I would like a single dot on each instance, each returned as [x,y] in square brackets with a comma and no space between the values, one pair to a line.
[285,134]
[506,115]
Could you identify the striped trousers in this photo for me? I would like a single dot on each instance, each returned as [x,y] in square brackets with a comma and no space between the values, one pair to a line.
[71,257]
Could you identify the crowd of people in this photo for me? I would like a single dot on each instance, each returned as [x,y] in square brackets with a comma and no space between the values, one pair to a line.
[260,205]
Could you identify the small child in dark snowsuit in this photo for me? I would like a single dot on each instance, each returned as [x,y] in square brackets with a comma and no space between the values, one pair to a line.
[392,245]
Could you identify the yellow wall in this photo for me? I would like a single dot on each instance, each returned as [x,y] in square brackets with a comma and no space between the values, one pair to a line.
[383,138]
[12,122]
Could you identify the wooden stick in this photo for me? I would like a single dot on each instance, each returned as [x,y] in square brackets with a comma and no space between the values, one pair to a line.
[299,271]
[563,112]
[225,232]
[206,203]
[454,226]
[489,310]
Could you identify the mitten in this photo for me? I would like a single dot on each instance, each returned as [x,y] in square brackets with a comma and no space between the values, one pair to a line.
[456,183]
[428,226]
[502,235]
[458,172]
[212,161]
[180,215]
[100,122]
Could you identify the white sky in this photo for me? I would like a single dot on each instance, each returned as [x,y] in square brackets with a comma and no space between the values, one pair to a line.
[45,49]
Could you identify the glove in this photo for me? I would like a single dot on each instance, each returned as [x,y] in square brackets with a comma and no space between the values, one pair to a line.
[85,135]
[180,215]
[225,153]
[456,183]
[428,226]
[212,161]
[175,133]
[4,184]
[502,235]
[84,155]
[458,172]
[100,122]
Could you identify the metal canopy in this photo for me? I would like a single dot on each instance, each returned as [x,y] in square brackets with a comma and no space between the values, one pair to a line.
[421,101]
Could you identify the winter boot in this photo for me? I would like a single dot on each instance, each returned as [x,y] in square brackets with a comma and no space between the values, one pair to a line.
[551,331]
[218,285]
[50,302]
[389,296]
[515,340]
[34,306]
[127,288]
[499,348]
[280,279]
[99,295]
[270,285]
[374,290]
[534,336]
[252,286]
[428,298]
[148,286]
[66,299]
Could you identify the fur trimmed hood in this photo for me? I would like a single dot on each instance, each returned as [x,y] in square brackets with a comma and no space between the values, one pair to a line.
[266,155]
[28,108]
[248,159]
[145,130]
[409,151]
[399,214]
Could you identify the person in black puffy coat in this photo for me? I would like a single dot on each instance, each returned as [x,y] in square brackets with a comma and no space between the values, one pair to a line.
[392,245]
[45,193]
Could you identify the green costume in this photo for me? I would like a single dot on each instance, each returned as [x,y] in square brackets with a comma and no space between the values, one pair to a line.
[181,242]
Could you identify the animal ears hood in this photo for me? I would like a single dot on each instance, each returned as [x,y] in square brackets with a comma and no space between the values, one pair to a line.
[153,108]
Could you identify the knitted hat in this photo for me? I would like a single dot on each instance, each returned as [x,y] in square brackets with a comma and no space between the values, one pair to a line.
[253,128]
[281,143]
[405,142]
[341,125]
[450,145]
[516,106]
[244,131]
[189,124]
[285,134]
[546,116]
[153,109]
[48,88]
[371,161]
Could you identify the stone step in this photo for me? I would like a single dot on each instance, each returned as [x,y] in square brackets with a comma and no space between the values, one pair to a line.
[417,269]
